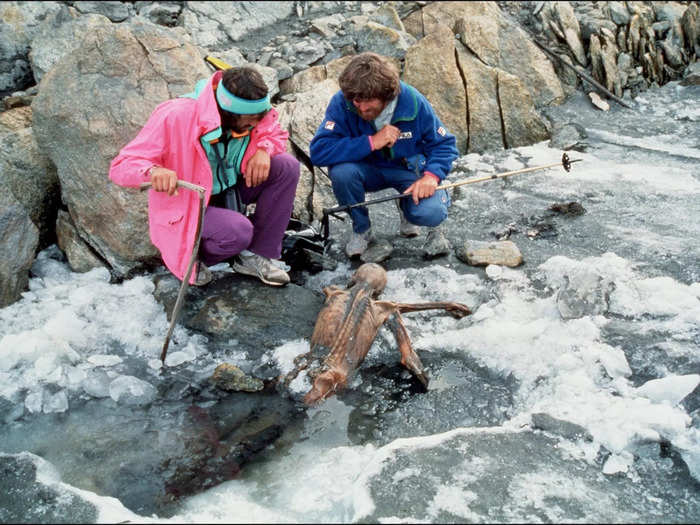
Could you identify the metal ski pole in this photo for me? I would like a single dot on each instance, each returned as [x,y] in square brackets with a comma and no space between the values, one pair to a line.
[186,280]
[565,163]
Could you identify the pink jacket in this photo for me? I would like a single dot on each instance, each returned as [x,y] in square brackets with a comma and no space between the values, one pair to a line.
[170,139]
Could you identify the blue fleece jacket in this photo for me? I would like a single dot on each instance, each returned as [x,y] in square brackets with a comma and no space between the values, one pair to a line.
[424,143]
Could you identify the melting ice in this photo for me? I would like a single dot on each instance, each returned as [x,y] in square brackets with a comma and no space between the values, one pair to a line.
[574,332]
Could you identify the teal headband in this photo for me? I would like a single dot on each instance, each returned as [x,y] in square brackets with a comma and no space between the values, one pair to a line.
[242,106]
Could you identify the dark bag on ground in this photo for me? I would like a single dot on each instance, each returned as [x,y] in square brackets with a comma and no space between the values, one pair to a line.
[303,248]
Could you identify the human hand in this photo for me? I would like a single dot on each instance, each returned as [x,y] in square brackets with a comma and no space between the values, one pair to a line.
[163,179]
[386,136]
[258,169]
[422,188]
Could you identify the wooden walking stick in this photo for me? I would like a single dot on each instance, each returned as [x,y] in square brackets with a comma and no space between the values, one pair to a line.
[186,280]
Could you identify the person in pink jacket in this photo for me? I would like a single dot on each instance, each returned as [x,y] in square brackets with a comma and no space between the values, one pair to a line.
[225,137]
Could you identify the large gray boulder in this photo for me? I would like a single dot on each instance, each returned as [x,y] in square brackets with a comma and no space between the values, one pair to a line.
[516,53]
[466,64]
[94,101]
[27,173]
[21,238]
[19,22]
[430,67]
[58,35]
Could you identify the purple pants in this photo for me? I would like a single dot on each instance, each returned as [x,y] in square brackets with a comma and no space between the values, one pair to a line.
[226,233]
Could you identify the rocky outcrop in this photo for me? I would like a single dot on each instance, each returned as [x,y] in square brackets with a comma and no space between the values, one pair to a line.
[60,34]
[481,71]
[627,46]
[20,237]
[19,22]
[28,173]
[497,42]
[430,67]
[480,253]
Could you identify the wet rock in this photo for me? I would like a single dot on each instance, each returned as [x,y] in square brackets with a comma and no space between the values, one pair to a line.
[17,101]
[565,429]
[568,208]
[537,228]
[80,257]
[597,101]
[461,393]
[31,492]
[244,302]
[672,53]
[231,378]
[436,244]
[480,253]
[569,136]
[690,22]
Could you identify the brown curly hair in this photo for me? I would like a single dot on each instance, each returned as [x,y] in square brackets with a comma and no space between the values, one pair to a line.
[368,75]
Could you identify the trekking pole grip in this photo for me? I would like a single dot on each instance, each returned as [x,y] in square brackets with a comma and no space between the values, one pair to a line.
[180,183]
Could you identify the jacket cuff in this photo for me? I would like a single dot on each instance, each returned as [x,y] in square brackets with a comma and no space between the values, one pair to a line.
[371,144]
[145,171]
[438,179]
[266,146]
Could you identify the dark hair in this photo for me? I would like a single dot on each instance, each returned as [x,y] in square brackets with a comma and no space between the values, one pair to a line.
[367,76]
[244,82]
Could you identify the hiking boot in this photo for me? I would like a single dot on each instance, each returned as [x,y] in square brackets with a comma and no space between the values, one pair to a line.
[436,243]
[406,229]
[204,275]
[261,267]
[358,243]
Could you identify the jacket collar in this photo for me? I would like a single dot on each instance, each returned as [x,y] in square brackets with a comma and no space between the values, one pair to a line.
[208,118]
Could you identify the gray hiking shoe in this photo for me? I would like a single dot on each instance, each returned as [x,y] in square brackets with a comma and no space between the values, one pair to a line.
[436,243]
[261,267]
[358,243]
[406,229]
[204,275]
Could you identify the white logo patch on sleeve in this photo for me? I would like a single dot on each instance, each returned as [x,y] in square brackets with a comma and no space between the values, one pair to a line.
[329,125]
[405,135]
[441,131]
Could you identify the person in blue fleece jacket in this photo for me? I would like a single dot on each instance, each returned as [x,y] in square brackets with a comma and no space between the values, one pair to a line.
[379,132]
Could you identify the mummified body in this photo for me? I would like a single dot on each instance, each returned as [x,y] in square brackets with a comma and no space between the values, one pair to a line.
[347,325]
